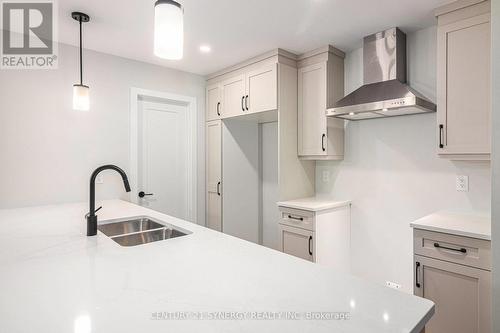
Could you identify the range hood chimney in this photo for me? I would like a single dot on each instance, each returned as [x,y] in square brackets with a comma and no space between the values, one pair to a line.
[385,92]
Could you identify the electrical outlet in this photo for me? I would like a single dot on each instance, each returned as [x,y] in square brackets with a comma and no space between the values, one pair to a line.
[99,179]
[463,183]
[326,176]
[393,285]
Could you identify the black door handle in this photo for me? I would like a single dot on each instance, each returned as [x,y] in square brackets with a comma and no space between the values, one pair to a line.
[218,188]
[142,194]
[242,100]
[437,245]
[441,132]
[218,108]
[323,142]
[310,242]
[246,102]
[417,266]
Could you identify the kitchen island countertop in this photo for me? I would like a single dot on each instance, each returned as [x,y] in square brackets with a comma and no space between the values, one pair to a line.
[55,279]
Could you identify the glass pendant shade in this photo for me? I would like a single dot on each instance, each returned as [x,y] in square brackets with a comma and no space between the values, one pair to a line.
[81,97]
[169,30]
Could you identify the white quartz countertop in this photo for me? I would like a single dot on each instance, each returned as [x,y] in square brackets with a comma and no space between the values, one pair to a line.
[56,280]
[313,204]
[468,225]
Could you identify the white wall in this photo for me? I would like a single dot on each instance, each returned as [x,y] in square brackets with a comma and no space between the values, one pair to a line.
[495,227]
[392,174]
[48,151]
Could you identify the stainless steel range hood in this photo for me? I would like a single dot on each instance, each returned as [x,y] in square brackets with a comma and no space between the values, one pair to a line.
[385,92]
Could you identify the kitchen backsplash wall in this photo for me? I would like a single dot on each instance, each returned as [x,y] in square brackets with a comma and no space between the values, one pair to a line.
[48,150]
[392,174]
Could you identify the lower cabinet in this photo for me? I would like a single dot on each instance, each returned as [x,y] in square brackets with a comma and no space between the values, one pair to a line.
[320,236]
[461,293]
[297,242]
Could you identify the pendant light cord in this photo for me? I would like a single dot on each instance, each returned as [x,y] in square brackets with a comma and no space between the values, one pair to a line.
[81,58]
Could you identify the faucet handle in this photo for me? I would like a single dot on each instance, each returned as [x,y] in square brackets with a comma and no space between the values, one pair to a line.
[88,214]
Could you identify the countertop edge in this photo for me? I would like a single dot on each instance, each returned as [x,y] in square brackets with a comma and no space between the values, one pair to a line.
[451,231]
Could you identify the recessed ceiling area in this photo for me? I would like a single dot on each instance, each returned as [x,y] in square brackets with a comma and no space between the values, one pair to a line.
[237,30]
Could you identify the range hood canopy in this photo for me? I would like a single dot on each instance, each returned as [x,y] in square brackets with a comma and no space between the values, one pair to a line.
[385,92]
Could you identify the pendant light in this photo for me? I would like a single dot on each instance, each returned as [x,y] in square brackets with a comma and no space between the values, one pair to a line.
[169,30]
[81,97]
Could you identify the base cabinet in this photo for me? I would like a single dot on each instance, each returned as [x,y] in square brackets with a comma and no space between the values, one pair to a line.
[461,293]
[297,242]
[322,237]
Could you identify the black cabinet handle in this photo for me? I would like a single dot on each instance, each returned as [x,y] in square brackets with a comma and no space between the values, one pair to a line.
[462,250]
[310,242]
[323,142]
[218,188]
[295,218]
[441,132]
[417,266]
[242,100]
[142,194]
[218,108]
[246,102]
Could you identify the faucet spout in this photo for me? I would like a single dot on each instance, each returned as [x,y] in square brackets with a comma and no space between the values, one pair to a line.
[91,216]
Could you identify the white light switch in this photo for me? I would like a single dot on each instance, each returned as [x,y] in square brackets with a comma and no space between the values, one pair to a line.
[463,183]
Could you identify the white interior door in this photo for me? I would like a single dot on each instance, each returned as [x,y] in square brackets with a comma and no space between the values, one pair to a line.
[163,157]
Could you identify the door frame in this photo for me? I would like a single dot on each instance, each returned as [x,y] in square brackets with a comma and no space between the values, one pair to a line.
[136,96]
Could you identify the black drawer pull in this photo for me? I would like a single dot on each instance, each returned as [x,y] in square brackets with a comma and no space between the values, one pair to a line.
[310,241]
[242,101]
[218,188]
[218,108]
[417,266]
[323,142]
[463,250]
[295,218]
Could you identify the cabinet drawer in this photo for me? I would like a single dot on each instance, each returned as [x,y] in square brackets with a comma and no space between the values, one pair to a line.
[461,250]
[297,218]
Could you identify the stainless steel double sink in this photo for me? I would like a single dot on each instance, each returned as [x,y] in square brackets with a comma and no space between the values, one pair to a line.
[139,230]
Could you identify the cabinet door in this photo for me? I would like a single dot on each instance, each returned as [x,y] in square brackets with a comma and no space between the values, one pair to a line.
[311,110]
[214,183]
[461,295]
[213,93]
[262,89]
[233,101]
[464,86]
[297,242]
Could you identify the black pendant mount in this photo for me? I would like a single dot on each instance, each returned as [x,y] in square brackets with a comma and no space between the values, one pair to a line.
[80,17]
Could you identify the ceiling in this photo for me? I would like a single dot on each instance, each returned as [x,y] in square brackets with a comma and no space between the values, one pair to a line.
[237,29]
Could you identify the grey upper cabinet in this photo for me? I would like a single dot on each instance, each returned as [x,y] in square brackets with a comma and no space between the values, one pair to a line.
[320,85]
[464,80]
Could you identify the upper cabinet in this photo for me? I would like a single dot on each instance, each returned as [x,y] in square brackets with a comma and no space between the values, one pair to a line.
[251,91]
[262,89]
[233,92]
[464,80]
[320,85]
[214,101]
